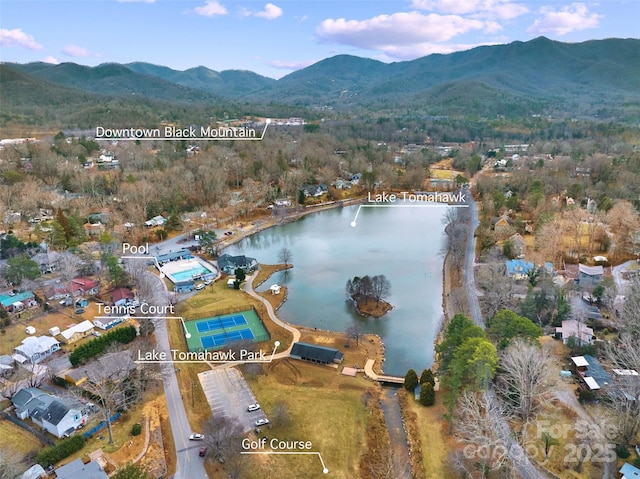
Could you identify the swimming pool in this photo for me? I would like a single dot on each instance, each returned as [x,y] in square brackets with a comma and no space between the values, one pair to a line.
[199,270]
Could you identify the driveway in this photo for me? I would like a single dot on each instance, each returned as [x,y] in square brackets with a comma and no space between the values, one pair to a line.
[228,395]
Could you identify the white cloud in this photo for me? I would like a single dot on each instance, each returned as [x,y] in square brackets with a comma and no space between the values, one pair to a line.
[568,19]
[17,38]
[400,35]
[50,59]
[270,12]
[502,9]
[136,1]
[410,52]
[291,64]
[76,51]
[210,9]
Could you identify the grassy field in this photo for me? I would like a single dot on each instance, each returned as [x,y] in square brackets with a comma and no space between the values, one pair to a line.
[17,443]
[326,408]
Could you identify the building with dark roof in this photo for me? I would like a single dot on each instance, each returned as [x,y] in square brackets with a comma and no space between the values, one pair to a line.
[79,470]
[173,256]
[316,354]
[229,264]
[56,416]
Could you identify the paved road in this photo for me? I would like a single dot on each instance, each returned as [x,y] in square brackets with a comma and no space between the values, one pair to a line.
[188,464]
[518,457]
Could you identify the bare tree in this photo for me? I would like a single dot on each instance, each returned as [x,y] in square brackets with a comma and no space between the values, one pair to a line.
[223,436]
[355,332]
[497,291]
[9,466]
[476,416]
[380,288]
[523,379]
[280,414]
[110,379]
[285,255]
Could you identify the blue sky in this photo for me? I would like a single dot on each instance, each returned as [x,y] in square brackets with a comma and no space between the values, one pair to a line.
[274,38]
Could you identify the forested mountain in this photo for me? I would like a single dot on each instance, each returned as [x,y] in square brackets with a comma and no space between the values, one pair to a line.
[599,78]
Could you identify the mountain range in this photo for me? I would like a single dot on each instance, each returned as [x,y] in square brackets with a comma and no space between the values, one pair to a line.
[594,78]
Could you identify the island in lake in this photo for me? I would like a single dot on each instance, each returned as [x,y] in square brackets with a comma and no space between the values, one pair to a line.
[368,293]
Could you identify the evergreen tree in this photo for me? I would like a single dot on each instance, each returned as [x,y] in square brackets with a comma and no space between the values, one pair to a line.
[427,394]
[427,377]
[410,380]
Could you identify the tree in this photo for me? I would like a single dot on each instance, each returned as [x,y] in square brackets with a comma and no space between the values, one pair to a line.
[208,242]
[380,288]
[285,255]
[508,249]
[507,324]
[223,437]
[523,378]
[9,466]
[111,381]
[19,268]
[549,441]
[131,471]
[355,332]
[301,197]
[474,365]
[427,377]
[280,414]
[410,380]
[459,329]
[427,394]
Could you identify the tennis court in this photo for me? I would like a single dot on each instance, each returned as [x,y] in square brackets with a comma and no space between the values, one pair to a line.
[221,339]
[219,323]
[219,331]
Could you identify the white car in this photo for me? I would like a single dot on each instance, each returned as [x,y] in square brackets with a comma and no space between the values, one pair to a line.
[196,437]
[253,407]
[262,422]
[200,286]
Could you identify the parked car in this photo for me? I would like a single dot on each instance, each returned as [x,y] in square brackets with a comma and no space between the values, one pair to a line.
[262,422]
[97,334]
[202,452]
[253,407]
[199,286]
[196,437]
[79,310]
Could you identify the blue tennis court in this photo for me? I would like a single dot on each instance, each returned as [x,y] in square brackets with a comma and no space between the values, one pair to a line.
[220,323]
[220,339]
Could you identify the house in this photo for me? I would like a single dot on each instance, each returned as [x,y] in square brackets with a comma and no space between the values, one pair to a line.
[155,221]
[590,372]
[57,292]
[275,289]
[589,275]
[18,302]
[79,470]
[6,365]
[503,226]
[518,245]
[315,190]
[34,472]
[342,184]
[282,202]
[48,262]
[122,296]
[518,268]
[55,415]
[35,349]
[108,365]
[84,286]
[627,471]
[229,264]
[316,354]
[94,229]
[107,322]
[572,328]
[76,332]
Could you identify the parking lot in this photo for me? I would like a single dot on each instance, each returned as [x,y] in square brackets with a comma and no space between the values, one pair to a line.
[228,394]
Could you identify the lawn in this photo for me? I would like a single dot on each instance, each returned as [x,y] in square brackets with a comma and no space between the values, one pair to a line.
[325,408]
[18,443]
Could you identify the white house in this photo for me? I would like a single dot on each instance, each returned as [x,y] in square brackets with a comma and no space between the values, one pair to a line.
[572,328]
[275,289]
[155,221]
[55,415]
[77,332]
[107,322]
[35,349]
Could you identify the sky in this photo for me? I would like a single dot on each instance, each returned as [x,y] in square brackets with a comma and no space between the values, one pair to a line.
[277,37]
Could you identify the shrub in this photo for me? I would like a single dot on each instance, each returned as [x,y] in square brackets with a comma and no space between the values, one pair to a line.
[622,451]
[66,447]
[427,377]
[136,429]
[97,346]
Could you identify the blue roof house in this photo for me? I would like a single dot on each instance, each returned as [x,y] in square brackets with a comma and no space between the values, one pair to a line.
[518,268]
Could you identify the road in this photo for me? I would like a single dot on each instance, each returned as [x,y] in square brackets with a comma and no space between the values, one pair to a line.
[188,464]
[516,454]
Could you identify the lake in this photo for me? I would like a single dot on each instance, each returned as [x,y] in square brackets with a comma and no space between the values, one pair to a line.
[402,243]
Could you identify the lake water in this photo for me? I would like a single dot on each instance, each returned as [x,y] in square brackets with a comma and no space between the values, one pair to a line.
[404,244]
